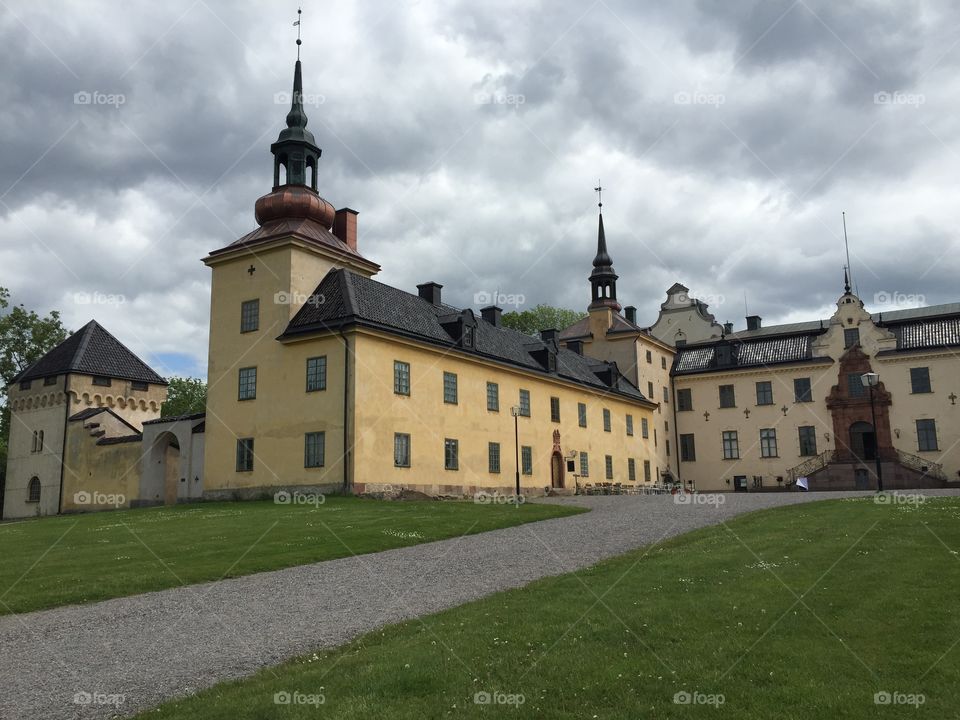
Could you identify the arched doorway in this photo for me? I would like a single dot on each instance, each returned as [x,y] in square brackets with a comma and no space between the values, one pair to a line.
[556,470]
[863,441]
[166,454]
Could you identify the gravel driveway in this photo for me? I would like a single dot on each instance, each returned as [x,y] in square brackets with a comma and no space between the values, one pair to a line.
[152,647]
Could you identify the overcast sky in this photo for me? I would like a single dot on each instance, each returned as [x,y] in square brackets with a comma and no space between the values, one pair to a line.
[728,136]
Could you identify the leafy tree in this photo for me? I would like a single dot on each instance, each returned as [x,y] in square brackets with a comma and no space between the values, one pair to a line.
[25,337]
[542,317]
[185,396]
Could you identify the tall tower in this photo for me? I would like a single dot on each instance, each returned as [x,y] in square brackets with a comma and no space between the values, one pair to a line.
[603,279]
[259,282]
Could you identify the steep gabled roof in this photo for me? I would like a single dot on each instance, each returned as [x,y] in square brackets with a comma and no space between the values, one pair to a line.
[91,350]
[344,298]
[753,353]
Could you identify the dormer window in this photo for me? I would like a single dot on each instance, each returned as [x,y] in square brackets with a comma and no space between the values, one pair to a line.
[469,336]
[725,355]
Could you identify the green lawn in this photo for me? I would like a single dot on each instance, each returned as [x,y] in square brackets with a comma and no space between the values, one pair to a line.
[713,613]
[84,558]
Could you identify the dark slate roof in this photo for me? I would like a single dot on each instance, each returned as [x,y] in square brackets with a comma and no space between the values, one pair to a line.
[581,328]
[91,350]
[344,298]
[753,353]
[813,326]
[937,326]
[175,418]
[121,439]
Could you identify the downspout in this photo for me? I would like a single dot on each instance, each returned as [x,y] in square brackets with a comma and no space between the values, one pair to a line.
[63,443]
[347,435]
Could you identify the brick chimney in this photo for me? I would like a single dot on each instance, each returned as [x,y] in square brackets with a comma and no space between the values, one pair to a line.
[430,291]
[491,314]
[345,227]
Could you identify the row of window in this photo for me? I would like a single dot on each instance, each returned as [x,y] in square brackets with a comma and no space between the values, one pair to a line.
[802,391]
[666,393]
[316,378]
[99,380]
[663,360]
[807,436]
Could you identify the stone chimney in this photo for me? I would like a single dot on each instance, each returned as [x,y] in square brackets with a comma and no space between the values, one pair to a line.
[430,291]
[491,314]
[549,335]
[753,322]
[727,328]
[345,227]
[630,313]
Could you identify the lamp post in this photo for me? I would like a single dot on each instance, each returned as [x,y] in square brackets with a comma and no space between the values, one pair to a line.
[515,411]
[870,380]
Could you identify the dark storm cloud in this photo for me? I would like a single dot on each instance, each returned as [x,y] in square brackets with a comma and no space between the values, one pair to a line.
[469,137]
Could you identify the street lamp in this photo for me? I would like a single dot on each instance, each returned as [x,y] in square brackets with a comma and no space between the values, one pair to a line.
[870,380]
[515,411]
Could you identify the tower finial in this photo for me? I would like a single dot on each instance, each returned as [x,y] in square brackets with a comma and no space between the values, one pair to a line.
[599,191]
[846,245]
[296,24]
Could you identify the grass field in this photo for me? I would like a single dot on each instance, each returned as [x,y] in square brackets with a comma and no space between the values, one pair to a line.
[84,558]
[800,612]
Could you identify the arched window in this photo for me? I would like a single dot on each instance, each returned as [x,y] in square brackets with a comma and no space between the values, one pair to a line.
[33,490]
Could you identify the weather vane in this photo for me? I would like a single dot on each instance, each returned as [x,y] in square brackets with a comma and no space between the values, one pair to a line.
[599,191]
[296,24]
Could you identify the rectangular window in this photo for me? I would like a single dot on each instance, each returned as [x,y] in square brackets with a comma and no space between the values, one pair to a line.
[629,425]
[727,397]
[808,440]
[249,316]
[401,378]
[644,428]
[526,460]
[920,380]
[450,388]
[451,454]
[765,393]
[493,397]
[401,450]
[582,414]
[685,399]
[768,442]
[606,420]
[314,449]
[927,435]
[851,337]
[317,373]
[631,470]
[100,380]
[134,384]
[802,391]
[646,471]
[650,391]
[731,445]
[584,465]
[554,409]
[52,380]
[525,403]
[667,445]
[666,395]
[247,383]
[649,357]
[608,466]
[855,385]
[688,448]
[493,457]
[244,454]
[663,363]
